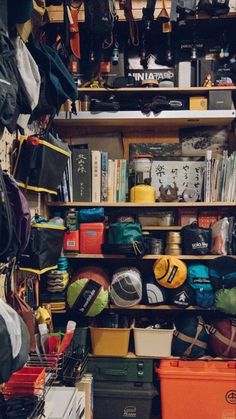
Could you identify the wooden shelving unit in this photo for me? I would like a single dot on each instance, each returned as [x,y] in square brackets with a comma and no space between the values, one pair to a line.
[123,119]
[155,205]
[160,307]
[151,257]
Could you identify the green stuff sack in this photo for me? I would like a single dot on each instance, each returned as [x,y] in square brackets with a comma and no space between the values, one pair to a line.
[88,293]
[125,238]
[225,300]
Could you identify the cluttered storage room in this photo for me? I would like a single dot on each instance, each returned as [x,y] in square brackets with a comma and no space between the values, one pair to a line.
[117,209]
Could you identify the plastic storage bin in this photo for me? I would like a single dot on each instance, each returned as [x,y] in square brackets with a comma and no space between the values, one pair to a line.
[118,400]
[110,341]
[155,343]
[121,369]
[197,389]
[92,237]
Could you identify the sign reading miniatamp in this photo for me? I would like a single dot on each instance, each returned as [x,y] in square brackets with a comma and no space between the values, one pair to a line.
[158,75]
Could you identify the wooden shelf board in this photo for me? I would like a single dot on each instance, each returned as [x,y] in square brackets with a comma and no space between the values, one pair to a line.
[156,205]
[138,119]
[191,90]
[160,307]
[151,257]
[161,228]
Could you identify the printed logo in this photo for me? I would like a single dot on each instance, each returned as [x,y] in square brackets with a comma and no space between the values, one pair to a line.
[230,397]
[130,412]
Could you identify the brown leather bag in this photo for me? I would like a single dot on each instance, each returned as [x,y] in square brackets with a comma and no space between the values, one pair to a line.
[26,312]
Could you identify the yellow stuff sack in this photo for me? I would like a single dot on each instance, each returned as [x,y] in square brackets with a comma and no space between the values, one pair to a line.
[170,272]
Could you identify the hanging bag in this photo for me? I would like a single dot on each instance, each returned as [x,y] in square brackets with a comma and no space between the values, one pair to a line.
[44,248]
[41,163]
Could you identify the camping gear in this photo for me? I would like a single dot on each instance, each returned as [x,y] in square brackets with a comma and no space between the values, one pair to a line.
[88,293]
[121,369]
[195,240]
[126,287]
[222,272]
[91,237]
[125,238]
[207,388]
[44,248]
[153,294]
[190,338]
[198,279]
[223,338]
[170,272]
[182,296]
[225,300]
[40,163]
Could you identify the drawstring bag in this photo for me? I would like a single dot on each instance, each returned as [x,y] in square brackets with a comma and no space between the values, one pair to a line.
[195,240]
[190,339]
[126,239]
[223,338]
[40,163]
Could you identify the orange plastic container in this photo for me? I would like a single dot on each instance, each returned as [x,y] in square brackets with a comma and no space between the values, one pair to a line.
[197,389]
[92,237]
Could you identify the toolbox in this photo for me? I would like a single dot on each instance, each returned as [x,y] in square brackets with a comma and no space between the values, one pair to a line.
[118,400]
[121,369]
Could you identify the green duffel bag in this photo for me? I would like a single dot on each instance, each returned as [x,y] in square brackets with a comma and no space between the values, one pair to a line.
[125,238]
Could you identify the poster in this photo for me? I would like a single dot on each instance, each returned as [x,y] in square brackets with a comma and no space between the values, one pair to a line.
[186,174]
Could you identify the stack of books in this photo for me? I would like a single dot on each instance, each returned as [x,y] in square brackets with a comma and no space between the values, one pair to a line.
[91,176]
[220,178]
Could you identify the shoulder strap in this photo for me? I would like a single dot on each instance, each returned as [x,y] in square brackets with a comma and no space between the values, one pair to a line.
[192,340]
[229,342]
[5,206]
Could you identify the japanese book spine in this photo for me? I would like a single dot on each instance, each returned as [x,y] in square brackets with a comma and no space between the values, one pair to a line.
[208,176]
[110,185]
[96,175]
[123,180]
[81,174]
[118,180]
[104,175]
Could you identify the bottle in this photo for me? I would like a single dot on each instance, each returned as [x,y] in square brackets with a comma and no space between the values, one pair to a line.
[43,331]
[71,220]
[68,336]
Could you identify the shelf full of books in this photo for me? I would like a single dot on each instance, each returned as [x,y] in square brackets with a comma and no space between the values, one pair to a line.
[91,176]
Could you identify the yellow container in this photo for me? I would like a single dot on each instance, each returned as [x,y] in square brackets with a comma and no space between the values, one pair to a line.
[198,103]
[110,341]
[143,194]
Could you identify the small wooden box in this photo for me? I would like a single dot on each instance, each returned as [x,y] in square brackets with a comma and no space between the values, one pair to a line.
[198,103]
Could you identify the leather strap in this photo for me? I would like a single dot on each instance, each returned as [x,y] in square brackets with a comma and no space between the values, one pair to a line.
[126,5]
[192,340]
[229,342]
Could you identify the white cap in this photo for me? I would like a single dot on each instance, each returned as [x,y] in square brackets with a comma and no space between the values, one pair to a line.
[71,325]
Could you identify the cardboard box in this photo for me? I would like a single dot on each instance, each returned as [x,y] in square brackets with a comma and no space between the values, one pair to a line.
[86,385]
[198,103]
[64,402]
